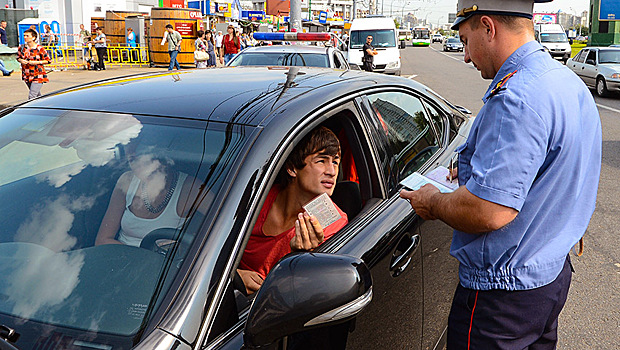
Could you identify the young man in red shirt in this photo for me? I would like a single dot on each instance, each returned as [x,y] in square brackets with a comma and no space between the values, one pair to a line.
[283,225]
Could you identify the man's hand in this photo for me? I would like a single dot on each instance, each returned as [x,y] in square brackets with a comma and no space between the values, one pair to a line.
[420,200]
[308,233]
[251,279]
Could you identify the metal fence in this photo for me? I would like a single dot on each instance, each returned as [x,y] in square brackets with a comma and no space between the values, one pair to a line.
[64,56]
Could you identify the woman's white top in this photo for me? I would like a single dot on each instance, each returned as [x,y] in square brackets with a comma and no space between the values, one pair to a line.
[134,228]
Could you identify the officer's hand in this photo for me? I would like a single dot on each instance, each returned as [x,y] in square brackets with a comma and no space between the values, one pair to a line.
[420,200]
[308,233]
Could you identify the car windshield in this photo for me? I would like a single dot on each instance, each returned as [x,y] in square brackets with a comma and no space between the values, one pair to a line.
[453,41]
[281,59]
[421,34]
[609,56]
[380,38]
[553,38]
[62,175]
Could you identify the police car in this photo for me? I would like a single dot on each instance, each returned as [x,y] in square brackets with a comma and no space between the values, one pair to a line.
[291,55]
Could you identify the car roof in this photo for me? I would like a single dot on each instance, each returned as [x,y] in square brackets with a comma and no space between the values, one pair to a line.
[239,95]
[604,48]
[289,48]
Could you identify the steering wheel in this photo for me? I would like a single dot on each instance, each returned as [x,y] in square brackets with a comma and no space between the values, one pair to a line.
[163,240]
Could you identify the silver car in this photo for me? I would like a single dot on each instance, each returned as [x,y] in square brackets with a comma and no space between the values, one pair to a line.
[599,68]
[291,55]
[452,44]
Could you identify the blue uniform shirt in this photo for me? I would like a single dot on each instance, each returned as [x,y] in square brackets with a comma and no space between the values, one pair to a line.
[535,146]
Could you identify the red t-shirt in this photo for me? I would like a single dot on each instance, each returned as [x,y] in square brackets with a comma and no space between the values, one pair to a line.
[230,46]
[263,252]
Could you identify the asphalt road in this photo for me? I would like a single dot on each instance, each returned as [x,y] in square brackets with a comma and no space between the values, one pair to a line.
[591,317]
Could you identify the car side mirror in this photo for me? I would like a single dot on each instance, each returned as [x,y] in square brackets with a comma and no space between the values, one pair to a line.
[304,291]
[590,61]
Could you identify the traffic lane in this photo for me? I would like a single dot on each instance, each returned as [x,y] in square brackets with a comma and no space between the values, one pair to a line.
[445,73]
[612,102]
[590,317]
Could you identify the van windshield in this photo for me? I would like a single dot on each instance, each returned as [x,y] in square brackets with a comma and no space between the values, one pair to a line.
[380,38]
[553,38]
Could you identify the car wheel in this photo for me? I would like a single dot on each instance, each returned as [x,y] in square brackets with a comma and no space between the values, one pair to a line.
[601,87]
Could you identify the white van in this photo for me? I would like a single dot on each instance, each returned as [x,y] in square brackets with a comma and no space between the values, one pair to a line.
[385,39]
[554,39]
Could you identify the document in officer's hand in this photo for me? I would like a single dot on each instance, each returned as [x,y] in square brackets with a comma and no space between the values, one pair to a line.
[323,209]
[437,177]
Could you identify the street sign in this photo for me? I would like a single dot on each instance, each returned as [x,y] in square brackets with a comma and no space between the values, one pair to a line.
[609,10]
[322,17]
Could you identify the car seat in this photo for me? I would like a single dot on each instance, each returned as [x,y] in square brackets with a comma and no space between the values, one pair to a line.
[348,197]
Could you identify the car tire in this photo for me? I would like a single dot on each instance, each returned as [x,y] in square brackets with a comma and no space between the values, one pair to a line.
[601,87]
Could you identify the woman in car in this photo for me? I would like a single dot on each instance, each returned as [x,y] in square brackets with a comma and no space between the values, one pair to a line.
[150,196]
[283,225]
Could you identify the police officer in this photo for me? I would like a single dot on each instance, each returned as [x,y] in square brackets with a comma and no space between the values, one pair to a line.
[369,54]
[528,177]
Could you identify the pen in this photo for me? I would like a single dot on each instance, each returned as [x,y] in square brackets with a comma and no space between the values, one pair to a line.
[451,167]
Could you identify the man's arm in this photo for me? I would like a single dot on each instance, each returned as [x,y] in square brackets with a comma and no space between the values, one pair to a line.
[460,209]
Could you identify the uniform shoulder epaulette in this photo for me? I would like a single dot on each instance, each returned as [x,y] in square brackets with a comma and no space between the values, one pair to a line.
[500,84]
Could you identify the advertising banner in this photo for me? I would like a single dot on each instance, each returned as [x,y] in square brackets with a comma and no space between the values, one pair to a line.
[185,29]
[609,10]
[545,18]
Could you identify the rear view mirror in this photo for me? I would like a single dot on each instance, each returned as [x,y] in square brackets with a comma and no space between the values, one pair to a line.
[306,290]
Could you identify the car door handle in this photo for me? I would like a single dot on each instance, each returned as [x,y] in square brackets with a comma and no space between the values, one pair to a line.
[405,248]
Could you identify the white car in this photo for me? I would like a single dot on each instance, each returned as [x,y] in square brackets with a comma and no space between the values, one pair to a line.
[437,38]
[598,67]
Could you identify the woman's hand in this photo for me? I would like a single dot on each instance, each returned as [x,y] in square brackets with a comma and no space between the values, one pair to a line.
[308,233]
[251,279]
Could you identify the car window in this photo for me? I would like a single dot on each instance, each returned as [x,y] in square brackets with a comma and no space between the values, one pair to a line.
[438,121]
[61,170]
[591,56]
[609,56]
[337,61]
[343,61]
[410,136]
[281,59]
[581,56]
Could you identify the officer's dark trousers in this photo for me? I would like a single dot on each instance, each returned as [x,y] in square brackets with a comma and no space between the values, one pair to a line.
[367,66]
[514,320]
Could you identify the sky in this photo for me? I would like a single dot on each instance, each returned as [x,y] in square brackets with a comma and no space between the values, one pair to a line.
[436,11]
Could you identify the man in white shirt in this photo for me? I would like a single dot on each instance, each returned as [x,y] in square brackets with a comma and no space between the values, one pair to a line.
[219,38]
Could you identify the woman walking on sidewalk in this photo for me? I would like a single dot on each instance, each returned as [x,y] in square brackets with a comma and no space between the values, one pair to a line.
[200,45]
[33,56]
[210,49]
[231,44]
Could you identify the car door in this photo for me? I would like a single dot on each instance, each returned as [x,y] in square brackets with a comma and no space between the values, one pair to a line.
[576,64]
[590,69]
[391,240]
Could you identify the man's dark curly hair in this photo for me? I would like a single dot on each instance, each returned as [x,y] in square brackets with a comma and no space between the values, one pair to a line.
[321,140]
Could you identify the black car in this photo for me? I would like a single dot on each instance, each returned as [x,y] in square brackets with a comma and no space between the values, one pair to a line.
[384,281]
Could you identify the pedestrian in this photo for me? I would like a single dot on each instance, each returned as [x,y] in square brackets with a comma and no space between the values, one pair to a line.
[200,45]
[131,43]
[528,176]
[84,39]
[32,57]
[5,72]
[4,39]
[34,27]
[219,39]
[231,44]
[369,54]
[174,46]
[101,46]
[210,49]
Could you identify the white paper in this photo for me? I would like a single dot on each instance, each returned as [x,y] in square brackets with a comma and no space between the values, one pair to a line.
[323,209]
[417,180]
[440,174]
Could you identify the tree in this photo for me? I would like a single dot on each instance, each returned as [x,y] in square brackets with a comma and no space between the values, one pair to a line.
[396,23]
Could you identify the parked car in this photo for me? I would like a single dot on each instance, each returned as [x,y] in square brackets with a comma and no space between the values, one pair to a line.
[229,131]
[437,38]
[599,68]
[452,44]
